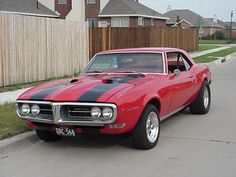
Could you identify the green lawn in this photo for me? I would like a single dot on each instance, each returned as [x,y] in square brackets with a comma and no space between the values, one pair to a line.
[10,124]
[212,41]
[27,85]
[213,56]
[20,86]
[207,47]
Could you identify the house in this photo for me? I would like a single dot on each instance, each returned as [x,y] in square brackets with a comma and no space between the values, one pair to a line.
[216,20]
[73,10]
[104,13]
[128,13]
[98,13]
[186,18]
[27,7]
[233,31]
[226,27]
[228,24]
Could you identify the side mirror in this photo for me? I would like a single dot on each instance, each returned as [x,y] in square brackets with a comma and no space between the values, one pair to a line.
[177,72]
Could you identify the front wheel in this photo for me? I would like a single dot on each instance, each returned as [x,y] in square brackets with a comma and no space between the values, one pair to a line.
[202,103]
[47,135]
[146,133]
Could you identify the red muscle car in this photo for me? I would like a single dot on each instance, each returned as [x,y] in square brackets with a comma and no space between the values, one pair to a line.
[126,91]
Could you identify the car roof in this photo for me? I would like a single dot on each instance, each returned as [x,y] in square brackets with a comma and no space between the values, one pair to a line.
[160,49]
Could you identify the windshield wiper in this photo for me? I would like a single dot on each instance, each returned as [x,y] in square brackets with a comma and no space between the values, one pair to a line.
[96,71]
[133,72]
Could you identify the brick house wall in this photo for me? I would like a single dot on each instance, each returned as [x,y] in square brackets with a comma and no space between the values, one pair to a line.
[133,21]
[184,24]
[159,23]
[209,31]
[147,22]
[92,10]
[63,9]
[227,34]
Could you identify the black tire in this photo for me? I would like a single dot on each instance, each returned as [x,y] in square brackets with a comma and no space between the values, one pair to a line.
[198,106]
[139,135]
[48,136]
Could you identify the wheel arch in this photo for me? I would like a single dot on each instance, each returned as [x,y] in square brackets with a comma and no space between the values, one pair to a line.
[204,78]
[154,101]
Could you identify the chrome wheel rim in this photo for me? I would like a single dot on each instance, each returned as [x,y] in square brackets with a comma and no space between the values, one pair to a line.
[152,127]
[206,97]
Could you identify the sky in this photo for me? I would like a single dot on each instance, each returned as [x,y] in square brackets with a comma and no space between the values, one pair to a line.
[205,8]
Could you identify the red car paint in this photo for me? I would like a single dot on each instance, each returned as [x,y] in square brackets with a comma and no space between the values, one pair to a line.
[131,97]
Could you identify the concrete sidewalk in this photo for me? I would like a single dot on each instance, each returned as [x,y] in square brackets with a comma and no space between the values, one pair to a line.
[9,97]
[198,54]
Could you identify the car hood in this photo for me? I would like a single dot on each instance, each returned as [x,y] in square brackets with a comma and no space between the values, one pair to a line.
[86,88]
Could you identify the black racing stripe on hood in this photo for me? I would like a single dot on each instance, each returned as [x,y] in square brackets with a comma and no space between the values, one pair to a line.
[96,92]
[93,94]
[42,94]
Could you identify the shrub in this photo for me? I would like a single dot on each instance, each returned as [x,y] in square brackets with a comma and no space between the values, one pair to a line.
[220,35]
[230,41]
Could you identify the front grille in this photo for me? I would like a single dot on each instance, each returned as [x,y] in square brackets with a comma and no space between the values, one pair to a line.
[45,111]
[75,113]
[79,111]
[67,113]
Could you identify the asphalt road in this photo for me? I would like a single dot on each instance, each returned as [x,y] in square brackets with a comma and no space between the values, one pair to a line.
[189,146]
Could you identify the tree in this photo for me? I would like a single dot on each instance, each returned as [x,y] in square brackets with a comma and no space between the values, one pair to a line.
[178,21]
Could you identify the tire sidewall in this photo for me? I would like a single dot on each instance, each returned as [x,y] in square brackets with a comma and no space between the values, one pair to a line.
[139,134]
[209,94]
[201,100]
[198,107]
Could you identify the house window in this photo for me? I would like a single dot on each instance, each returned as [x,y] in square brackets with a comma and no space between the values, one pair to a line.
[120,22]
[103,24]
[92,22]
[152,22]
[140,21]
[91,1]
[62,1]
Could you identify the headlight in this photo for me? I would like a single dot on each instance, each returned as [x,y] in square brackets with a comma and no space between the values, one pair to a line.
[35,109]
[107,112]
[96,112]
[25,109]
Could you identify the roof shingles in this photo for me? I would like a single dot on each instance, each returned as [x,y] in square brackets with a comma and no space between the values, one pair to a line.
[128,7]
[26,7]
[189,16]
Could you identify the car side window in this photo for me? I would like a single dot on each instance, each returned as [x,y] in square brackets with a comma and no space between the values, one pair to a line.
[177,60]
[187,63]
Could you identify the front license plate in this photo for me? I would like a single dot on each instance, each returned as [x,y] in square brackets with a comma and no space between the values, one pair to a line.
[65,131]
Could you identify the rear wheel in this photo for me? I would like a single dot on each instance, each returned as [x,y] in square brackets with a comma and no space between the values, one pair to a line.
[202,103]
[146,133]
[47,135]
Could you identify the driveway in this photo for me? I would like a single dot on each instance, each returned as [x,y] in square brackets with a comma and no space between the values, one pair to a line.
[189,146]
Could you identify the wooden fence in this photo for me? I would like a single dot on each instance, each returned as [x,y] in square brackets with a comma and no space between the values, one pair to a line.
[33,49]
[115,38]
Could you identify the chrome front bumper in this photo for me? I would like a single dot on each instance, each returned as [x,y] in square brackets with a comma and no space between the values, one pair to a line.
[59,119]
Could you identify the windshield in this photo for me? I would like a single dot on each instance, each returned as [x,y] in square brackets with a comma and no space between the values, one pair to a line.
[126,62]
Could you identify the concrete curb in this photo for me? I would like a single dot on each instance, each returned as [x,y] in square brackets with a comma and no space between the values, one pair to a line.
[219,61]
[17,142]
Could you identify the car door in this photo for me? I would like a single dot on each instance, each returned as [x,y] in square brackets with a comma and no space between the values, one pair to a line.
[181,78]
